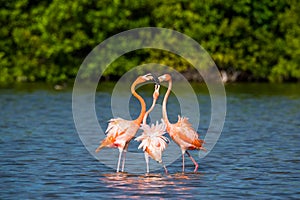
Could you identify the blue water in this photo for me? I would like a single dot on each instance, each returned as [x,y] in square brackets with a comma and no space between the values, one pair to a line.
[257,155]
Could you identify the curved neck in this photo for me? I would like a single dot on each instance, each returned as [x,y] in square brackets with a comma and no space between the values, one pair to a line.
[142,102]
[164,106]
[150,110]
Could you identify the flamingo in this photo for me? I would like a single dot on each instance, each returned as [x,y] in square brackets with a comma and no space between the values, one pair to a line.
[120,131]
[152,140]
[182,132]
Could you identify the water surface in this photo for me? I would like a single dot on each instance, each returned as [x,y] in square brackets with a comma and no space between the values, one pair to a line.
[257,155]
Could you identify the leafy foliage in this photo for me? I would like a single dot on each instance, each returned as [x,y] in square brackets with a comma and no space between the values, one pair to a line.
[48,40]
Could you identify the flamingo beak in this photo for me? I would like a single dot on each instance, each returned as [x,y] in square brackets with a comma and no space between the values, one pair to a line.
[155,79]
[152,77]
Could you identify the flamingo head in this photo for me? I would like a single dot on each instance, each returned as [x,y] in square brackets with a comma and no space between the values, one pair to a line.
[165,77]
[156,92]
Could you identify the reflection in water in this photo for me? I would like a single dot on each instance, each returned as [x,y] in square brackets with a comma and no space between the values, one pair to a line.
[149,184]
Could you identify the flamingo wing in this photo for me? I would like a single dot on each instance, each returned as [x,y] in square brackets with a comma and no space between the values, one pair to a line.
[117,126]
[118,133]
[185,135]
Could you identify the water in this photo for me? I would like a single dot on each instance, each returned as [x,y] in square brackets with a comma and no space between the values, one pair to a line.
[257,155]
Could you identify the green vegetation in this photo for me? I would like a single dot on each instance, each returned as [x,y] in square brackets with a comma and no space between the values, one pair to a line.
[44,40]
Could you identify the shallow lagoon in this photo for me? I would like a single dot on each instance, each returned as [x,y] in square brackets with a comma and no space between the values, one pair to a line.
[257,155]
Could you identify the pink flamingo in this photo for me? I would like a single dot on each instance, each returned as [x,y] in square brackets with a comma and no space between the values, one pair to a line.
[120,131]
[152,140]
[182,132]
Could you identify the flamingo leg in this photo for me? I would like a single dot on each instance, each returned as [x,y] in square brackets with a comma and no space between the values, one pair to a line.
[166,170]
[119,160]
[124,156]
[123,162]
[193,160]
[183,163]
[147,162]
